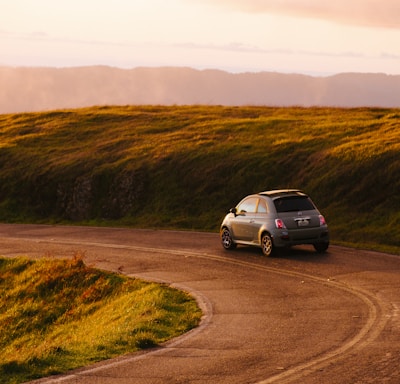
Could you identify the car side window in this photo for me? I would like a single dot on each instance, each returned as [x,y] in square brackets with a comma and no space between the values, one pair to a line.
[249,205]
[262,206]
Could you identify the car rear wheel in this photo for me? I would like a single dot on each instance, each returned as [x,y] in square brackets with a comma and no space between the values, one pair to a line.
[321,247]
[226,239]
[266,244]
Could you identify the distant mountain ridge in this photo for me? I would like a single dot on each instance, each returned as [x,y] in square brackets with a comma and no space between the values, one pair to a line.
[25,89]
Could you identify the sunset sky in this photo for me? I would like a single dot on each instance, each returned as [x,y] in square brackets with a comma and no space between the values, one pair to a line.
[314,37]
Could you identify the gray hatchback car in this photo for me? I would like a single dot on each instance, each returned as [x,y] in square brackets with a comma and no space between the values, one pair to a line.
[275,219]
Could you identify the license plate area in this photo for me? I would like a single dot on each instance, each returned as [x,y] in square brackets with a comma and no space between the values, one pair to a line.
[303,222]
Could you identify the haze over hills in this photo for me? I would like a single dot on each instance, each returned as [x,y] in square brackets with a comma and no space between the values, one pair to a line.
[24,89]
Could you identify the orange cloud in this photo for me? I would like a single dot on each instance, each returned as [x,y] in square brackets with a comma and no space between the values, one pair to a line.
[369,13]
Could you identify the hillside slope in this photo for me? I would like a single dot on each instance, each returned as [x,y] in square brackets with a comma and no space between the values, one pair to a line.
[184,167]
[39,89]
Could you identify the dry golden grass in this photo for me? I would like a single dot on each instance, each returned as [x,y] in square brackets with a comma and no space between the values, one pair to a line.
[56,315]
[186,165]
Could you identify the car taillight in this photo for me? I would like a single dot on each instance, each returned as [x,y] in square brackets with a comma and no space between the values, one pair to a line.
[280,224]
[322,220]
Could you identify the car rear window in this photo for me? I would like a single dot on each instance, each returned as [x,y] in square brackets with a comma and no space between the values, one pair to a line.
[293,204]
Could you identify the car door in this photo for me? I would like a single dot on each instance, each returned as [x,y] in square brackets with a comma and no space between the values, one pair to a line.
[242,224]
[260,218]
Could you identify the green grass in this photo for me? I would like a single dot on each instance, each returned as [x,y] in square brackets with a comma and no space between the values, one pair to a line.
[183,167]
[57,315]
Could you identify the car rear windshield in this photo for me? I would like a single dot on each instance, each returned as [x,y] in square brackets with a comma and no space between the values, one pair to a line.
[293,204]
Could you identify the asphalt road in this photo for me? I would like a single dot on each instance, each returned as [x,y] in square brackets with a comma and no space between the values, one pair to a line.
[297,318]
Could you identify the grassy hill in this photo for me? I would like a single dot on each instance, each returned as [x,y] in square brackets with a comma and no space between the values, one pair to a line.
[184,167]
[57,315]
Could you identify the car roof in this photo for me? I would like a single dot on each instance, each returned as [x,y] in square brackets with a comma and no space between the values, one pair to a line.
[283,192]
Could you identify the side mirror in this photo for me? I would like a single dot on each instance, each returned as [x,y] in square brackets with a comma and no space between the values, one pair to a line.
[234,211]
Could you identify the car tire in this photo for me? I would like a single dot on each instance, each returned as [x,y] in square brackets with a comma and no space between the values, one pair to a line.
[267,245]
[226,239]
[321,247]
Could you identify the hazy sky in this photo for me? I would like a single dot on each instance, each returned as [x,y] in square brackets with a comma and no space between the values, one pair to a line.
[316,37]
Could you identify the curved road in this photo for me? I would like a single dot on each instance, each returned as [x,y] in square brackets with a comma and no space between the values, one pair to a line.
[297,318]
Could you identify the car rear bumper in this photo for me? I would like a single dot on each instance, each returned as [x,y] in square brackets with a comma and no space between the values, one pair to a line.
[286,238]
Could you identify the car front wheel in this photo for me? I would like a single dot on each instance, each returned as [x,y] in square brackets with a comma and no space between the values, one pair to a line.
[266,244]
[226,239]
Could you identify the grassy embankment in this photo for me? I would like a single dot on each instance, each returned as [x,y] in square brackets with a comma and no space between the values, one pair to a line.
[184,167]
[56,315]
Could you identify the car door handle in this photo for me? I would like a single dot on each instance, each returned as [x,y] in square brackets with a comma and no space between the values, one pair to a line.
[251,221]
